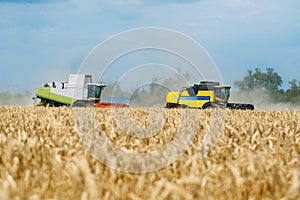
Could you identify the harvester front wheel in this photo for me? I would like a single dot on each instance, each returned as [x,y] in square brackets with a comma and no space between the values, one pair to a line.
[209,106]
[79,104]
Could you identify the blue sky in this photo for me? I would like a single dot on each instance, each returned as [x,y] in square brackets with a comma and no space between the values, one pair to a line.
[43,40]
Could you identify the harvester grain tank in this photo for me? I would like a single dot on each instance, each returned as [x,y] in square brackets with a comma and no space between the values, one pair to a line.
[79,91]
[205,95]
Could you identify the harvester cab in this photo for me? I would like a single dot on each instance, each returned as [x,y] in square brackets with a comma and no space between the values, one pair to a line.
[94,91]
[222,93]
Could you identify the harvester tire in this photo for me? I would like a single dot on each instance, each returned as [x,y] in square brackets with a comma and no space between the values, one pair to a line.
[171,105]
[79,104]
[208,106]
[52,104]
[183,106]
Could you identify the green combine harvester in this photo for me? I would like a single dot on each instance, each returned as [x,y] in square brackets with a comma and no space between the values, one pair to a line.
[79,91]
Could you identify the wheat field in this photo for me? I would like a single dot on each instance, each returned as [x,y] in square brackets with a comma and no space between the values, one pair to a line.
[257,156]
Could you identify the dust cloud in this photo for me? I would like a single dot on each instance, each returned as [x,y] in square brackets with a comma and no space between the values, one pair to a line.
[10,99]
[260,100]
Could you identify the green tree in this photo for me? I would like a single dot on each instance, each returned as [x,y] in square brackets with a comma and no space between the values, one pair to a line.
[293,93]
[269,82]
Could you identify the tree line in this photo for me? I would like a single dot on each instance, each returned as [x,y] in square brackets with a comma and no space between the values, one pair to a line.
[269,82]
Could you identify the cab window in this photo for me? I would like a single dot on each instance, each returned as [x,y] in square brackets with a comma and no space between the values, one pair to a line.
[222,93]
[94,91]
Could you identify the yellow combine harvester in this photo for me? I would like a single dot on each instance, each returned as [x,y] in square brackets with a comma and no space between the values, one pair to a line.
[205,95]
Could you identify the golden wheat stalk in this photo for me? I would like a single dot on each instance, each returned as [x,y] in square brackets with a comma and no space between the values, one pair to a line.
[256,157]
